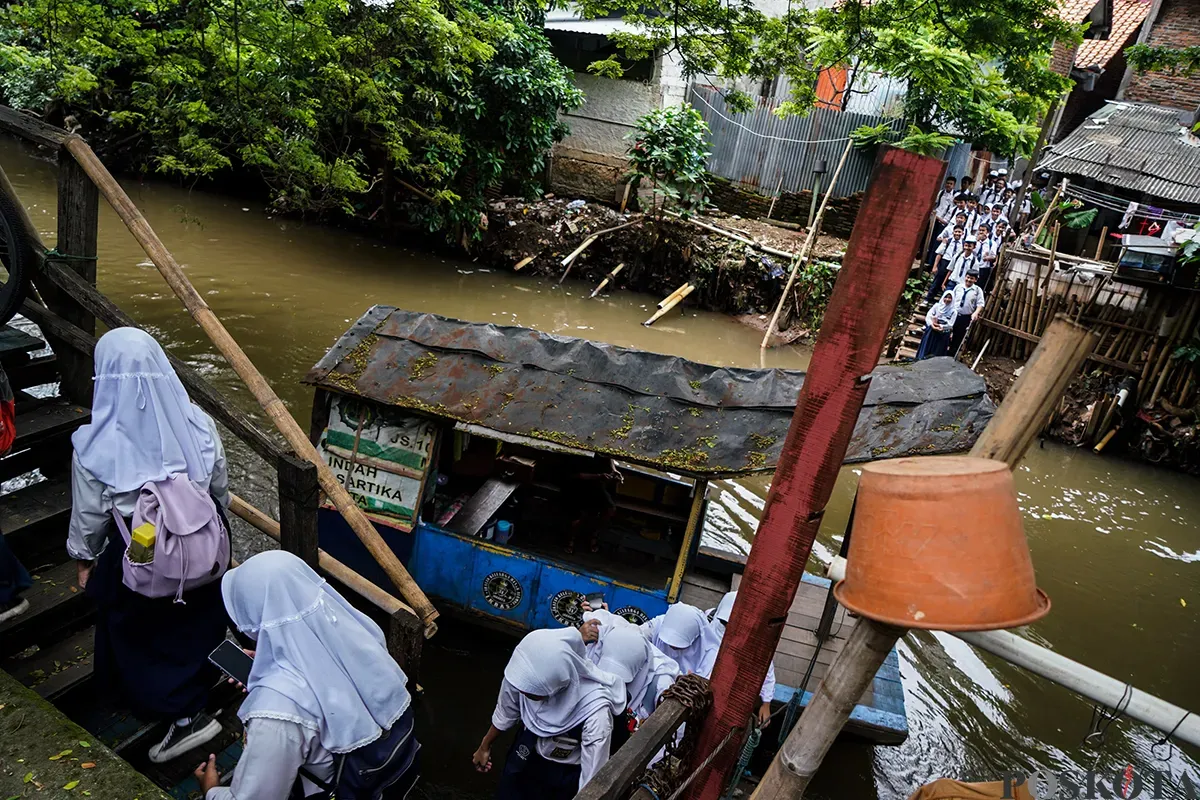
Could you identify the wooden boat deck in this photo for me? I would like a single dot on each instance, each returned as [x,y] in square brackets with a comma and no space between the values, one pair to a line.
[879,715]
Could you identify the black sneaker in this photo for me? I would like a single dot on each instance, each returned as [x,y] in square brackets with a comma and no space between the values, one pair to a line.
[13,608]
[181,738]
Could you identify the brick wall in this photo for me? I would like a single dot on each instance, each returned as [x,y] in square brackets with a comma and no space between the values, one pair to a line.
[790,207]
[1178,25]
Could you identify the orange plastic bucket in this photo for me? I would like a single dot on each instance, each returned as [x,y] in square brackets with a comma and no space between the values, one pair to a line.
[938,543]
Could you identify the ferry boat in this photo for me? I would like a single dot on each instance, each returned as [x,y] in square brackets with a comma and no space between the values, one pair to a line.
[467,445]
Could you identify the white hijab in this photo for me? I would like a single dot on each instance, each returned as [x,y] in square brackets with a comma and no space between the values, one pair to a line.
[683,634]
[942,311]
[319,662]
[144,427]
[553,664]
[645,670]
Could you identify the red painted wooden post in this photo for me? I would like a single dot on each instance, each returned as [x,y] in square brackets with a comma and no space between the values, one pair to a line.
[877,262]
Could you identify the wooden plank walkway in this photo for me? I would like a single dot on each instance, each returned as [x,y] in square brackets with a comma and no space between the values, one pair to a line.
[879,715]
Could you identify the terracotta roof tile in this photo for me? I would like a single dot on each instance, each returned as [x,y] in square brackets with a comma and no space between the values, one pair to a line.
[1128,16]
[1076,11]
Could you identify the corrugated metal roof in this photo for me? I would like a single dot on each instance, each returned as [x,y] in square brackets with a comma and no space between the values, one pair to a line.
[569,19]
[1128,16]
[1136,146]
[656,410]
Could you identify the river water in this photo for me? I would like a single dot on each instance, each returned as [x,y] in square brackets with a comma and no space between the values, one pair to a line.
[1116,544]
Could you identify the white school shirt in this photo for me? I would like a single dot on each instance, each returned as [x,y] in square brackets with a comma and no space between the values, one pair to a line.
[973,220]
[949,249]
[967,299]
[274,753]
[948,233]
[983,249]
[945,205]
[590,754]
[961,263]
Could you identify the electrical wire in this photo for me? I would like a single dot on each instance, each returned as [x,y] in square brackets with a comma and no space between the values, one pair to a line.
[715,110]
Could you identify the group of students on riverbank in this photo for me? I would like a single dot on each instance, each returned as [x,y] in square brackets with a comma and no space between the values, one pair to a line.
[575,693]
[971,229]
[327,709]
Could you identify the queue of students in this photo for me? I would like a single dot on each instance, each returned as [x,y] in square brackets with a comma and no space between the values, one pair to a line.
[567,691]
[327,710]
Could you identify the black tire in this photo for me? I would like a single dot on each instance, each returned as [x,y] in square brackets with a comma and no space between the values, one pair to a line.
[16,256]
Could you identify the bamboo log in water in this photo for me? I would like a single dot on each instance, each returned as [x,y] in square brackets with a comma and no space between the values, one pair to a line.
[569,259]
[667,308]
[271,404]
[523,263]
[674,294]
[803,254]
[607,279]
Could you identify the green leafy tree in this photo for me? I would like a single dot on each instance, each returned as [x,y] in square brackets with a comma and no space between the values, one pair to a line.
[981,70]
[331,102]
[669,151]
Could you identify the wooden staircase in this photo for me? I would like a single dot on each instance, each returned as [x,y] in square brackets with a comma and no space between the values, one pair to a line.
[911,341]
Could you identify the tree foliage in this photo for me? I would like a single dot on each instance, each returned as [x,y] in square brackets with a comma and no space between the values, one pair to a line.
[327,100]
[1156,58]
[978,70]
[669,150]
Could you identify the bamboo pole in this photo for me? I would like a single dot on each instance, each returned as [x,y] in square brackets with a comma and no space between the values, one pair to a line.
[378,597]
[607,278]
[1028,403]
[731,235]
[674,294]
[667,308]
[1062,185]
[569,259]
[523,263]
[803,254]
[1100,244]
[271,404]
[1180,331]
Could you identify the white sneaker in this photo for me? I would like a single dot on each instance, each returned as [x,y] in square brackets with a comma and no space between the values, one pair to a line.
[181,738]
[13,609]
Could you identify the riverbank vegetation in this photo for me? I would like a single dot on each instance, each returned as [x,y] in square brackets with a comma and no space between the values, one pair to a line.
[334,105]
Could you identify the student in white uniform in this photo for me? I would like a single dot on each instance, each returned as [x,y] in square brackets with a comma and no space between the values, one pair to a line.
[324,695]
[947,251]
[939,321]
[152,652]
[720,618]
[683,634]
[612,642]
[565,705]
[943,214]
[974,213]
[964,261]
[987,192]
[968,305]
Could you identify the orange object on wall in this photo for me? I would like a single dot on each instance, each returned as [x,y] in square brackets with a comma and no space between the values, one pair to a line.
[831,87]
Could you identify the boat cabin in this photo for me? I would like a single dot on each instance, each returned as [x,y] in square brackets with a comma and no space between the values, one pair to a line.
[515,472]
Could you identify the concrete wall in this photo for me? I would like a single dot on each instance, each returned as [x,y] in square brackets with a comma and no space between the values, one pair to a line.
[609,113]
[1178,25]
[790,207]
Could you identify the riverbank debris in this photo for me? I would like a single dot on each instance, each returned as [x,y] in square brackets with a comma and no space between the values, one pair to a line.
[670,303]
[607,279]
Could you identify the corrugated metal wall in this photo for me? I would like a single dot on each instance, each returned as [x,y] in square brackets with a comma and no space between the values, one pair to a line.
[761,152]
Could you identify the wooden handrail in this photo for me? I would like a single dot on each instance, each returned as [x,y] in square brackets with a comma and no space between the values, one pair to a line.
[270,402]
[35,130]
[384,601]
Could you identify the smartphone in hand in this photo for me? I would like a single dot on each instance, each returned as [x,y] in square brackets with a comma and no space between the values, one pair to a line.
[232,660]
[595,600]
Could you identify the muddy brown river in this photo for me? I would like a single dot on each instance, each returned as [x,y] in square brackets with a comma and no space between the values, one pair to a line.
[1116,544]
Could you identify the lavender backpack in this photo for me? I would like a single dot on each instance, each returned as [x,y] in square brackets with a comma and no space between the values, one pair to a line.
[191,547]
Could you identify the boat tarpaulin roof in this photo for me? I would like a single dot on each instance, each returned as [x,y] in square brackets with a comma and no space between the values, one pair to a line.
[658,410]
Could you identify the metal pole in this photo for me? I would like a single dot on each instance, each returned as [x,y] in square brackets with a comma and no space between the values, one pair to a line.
[1096,686]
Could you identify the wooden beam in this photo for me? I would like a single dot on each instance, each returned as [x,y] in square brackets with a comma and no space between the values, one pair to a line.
[1029,337]
[299,499]
[78,226]
[31,129]
[690,532]
[203,393]
[612,780]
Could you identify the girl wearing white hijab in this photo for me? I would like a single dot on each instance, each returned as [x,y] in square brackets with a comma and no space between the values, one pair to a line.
[684,635]
[939,323]
[322,683]
[647,673]
[720,618]
[144,428]
[565,705]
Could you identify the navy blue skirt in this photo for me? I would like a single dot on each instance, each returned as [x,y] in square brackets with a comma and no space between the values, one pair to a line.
[934,343]
[14,578]
[529,776]
[152,651]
